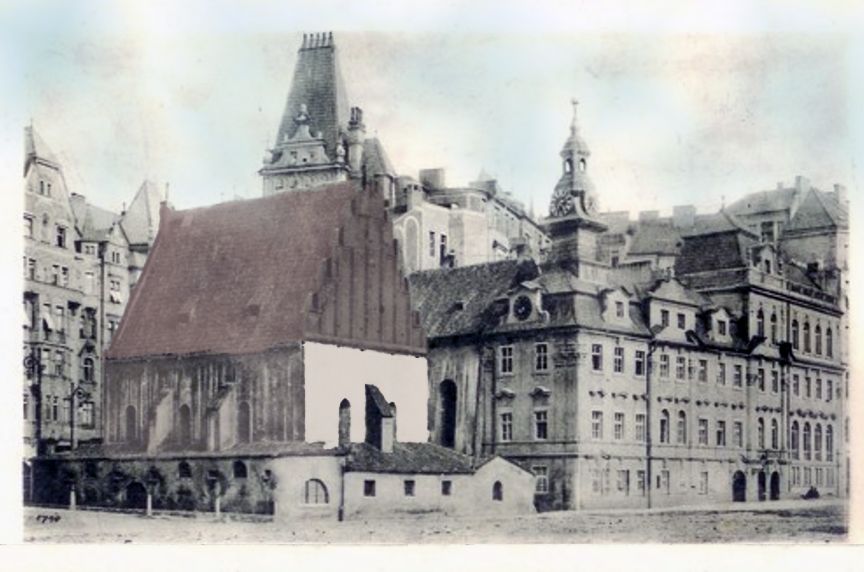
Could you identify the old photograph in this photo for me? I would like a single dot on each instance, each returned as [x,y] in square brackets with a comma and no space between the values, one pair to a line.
[314,281]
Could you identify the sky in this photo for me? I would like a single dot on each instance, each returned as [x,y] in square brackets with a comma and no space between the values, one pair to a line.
[676,113]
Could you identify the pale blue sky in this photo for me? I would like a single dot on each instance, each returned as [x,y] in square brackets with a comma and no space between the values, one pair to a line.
[193,96]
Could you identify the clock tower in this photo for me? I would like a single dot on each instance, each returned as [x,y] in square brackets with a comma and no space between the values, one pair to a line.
[573,224]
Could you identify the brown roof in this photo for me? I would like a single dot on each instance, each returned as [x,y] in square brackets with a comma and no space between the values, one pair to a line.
[241,277]
[408,458]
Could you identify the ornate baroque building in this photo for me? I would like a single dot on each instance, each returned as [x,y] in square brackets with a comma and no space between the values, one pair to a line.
[709,363]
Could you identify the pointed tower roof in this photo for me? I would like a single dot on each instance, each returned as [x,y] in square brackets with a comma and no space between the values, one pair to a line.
[36,148]
[141,220]
[318,85]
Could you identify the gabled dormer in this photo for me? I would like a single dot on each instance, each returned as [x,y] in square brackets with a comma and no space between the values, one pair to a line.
[615,306]
[764,257]
[718,322]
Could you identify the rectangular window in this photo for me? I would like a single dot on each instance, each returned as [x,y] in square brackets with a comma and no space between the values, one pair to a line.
[597,424]
[64,276]
[663,481]
[618,360]
[680,367]
[28,226]
[796,385]
[682,321]
[738,377]
[541,479]
[664,318]
[721,374]
[409,488]
[640,427]
[619,309]
[818,388]
[623,481]
[618,427]
[739,433]
[829,390]
[640,482]
[703,431]
[808,386]
[703,370]
[721,327]
[664,365]
[541,425]
[775,382]
[446,488]
[443,249]
[760,379]
[597,357]
[639,363]
[703,483]
[721,433]
[507,426]
[26,406]
[31,269]
[61,237]
[59,362]
[431,243]
[86,413]
[368,488]
[541,357]
[506,364]
[55,409]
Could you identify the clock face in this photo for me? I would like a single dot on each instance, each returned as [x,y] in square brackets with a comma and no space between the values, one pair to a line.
[522,307]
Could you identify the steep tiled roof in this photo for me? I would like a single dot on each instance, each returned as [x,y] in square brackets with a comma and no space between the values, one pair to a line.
[763,201]
[819,210]
[35,147]
[652,238]
[713,251]
[234,277]
[141,220]
[94,222]
[408,458]
[457,301]
[317,84]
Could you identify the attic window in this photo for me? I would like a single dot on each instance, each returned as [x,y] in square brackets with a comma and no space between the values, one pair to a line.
[458,306]
[721,327]
[619,309]
[767,266]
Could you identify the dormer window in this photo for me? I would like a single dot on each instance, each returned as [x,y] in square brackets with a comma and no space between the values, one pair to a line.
[619,309]
[721,327]
[767,264]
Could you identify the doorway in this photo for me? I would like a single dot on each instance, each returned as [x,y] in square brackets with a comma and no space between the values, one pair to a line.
[447,393]
[136,495]
[762,485]
[775,485]
[739,487]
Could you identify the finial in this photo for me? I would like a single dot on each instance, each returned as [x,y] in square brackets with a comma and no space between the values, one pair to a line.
[574,125]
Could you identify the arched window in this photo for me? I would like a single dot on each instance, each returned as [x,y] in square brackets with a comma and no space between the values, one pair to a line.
[773,328]
[794,334]
[185,424]
[244,422]
[315,492]
[497,491]
[131,424]
[818,339]
[240,471]
[829,443]
[682,427]
[829,342]
[344,423]
[184,471]
[87,369]
[760,433]
[568,166]
[793,440]
[775,435]
[806,440]
[664,426]
[583,165]
[760,323]
[817,443]
[807,337]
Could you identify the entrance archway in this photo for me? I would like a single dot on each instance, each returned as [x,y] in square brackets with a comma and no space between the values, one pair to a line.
[762,485]
[447,398]
[739,487]
[136,495]
[775,485]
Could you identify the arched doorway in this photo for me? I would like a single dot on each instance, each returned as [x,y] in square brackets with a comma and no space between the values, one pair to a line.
[762,485]
[131,424]
[739,487]
[447,399]
[136,495]
[775,485]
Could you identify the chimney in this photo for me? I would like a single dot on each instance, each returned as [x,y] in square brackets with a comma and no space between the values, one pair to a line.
[432,178]
[356,135]
[802,184]
[840,193]
[683,216]
[380,421]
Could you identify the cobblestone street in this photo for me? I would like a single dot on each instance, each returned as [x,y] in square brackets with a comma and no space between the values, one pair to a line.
[777,522]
